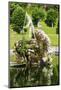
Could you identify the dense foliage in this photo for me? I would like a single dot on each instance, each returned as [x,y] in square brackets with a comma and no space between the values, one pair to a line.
[51,17]
[37,14]
[18,17]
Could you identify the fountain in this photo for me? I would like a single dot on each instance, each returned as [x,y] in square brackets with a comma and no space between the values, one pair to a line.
[38,68]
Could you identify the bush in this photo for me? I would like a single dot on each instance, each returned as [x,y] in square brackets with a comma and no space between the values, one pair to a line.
[18,17]
[57,29]
[12,6]
[51,17]
[37,13]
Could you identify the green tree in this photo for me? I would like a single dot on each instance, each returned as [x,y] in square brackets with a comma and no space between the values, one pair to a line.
[51,17]
[37,13]
[18,17]
[12,7]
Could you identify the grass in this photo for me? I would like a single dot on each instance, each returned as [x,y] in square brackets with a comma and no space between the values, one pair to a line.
[54,39]
[55,60]
[14,36]
[51,32]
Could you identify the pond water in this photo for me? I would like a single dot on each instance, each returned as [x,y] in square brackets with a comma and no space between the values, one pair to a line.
[26,76]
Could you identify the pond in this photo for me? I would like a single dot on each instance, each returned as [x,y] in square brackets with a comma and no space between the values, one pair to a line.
[24,76]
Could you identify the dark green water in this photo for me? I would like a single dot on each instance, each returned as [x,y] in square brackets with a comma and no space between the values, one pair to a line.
[25,76]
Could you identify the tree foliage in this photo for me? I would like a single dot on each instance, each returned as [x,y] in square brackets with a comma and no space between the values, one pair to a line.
[18,17]
[51,17]
[38,14]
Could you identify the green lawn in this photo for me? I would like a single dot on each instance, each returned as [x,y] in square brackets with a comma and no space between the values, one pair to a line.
[55,60]
[14,36]
[51,32]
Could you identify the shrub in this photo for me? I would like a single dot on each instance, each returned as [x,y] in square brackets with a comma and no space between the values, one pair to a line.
[57,29]
[51,17]
[18,17]
[37,13]
[12,6]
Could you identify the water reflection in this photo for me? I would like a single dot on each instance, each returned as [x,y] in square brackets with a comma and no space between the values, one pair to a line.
[26,76]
